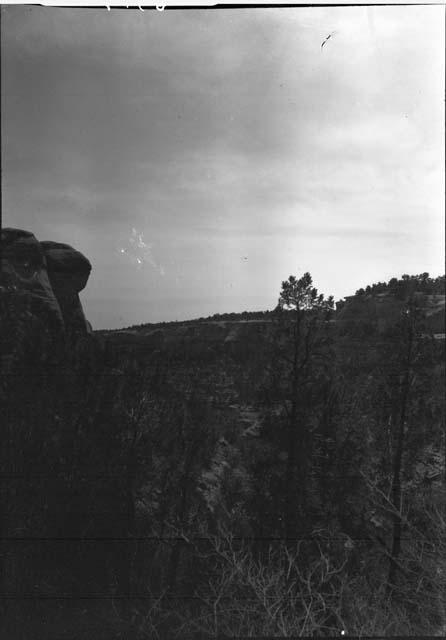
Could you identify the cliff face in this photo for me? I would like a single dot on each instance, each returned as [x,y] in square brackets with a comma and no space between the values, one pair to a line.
[383,310]
[68,272]
[39,287]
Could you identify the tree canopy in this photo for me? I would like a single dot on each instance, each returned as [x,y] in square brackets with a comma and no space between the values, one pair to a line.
[300,295]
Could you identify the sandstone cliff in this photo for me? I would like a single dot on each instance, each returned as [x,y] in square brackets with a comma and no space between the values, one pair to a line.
[39,288]
[382,311]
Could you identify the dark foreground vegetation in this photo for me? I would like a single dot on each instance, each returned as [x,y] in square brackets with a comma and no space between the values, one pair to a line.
[292,488]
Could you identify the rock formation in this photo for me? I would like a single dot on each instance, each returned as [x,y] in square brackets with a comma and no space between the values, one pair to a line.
[68,272]
[39,287]
[382,311]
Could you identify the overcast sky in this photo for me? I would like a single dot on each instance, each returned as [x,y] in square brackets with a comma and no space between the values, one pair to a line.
[198,158]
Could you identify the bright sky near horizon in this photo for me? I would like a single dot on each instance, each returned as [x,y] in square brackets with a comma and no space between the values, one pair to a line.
[198,158]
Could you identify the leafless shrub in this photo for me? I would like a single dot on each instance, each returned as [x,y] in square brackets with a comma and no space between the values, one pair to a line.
[306,588]
[278,595]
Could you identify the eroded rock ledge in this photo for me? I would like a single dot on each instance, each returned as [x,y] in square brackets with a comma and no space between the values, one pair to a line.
[41,281]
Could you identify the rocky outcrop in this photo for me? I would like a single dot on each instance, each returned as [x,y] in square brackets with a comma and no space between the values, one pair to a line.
[39,287]
[68,272]
[24,282]
[382,311]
